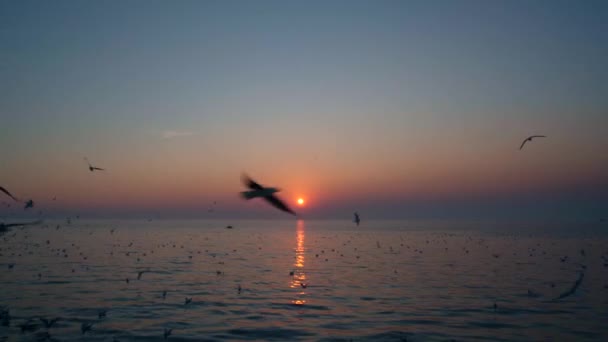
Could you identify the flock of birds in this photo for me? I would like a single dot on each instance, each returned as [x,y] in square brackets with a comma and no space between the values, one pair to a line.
[255,190]
[441,242]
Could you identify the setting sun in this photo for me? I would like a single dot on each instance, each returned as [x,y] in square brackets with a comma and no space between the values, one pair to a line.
[300,201]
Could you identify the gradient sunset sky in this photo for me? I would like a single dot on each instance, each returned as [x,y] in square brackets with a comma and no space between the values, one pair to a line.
[396,109]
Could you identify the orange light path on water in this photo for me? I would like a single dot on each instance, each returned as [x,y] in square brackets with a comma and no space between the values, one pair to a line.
[299,277]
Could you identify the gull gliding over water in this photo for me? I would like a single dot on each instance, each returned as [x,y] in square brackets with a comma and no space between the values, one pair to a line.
[266,193]
[91,167]
[29,204]
[530,139]
[575,286]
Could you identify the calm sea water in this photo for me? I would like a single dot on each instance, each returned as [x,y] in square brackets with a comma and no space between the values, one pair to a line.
[382,281]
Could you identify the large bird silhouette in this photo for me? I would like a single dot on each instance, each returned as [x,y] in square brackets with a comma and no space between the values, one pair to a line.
[268,194]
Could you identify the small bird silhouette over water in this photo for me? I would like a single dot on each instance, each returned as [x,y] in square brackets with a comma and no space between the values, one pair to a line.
[48,323]
[91,167]
[29,204]
[530,139]
[5,317]
[266,193]
[84,327]
[28,325]
[573,288]
[187,301]
[167,333]
[102,314]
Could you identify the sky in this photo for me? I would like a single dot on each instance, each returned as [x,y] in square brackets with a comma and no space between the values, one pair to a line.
[395,109]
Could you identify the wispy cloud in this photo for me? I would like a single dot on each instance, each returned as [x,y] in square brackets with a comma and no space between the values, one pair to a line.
[175,134]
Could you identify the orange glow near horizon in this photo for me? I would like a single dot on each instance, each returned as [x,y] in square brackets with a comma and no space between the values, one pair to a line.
[300,201]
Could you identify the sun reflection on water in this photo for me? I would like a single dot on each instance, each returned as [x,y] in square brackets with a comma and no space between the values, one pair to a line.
[298,279]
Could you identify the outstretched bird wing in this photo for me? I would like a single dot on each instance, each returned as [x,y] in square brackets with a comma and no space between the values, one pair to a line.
[97,168]
[523,143]
[573,288]
[8,225]
[8,194]
[538,136]
[251,184]
[277,203]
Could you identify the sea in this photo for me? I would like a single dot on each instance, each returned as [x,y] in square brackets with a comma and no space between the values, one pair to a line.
[304,280]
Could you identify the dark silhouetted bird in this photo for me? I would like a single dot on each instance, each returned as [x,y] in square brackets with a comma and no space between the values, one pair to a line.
[29,204]
[84,327]
[48,323]
[266,193]
[167,333]
[91,167]
[575,286]
[530,139]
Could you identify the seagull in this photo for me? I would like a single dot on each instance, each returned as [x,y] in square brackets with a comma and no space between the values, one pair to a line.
[573,288]
[84,327]
[167,333]
[357,220]
[187,301]
[28,204]
[91,167]
[5,316]
[29,325]
[48,323]
[530,139]
[8,194]
[267,193]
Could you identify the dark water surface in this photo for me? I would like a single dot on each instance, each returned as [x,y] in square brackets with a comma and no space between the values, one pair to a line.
[382,281]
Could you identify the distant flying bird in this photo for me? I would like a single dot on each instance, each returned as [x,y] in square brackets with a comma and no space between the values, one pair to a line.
[91,167]
[573,288]
[48,323]
[84,327]
[8,194]
[29,204]
[29,325]
[357,220]
[530,139]
[167,333]
[267,193]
